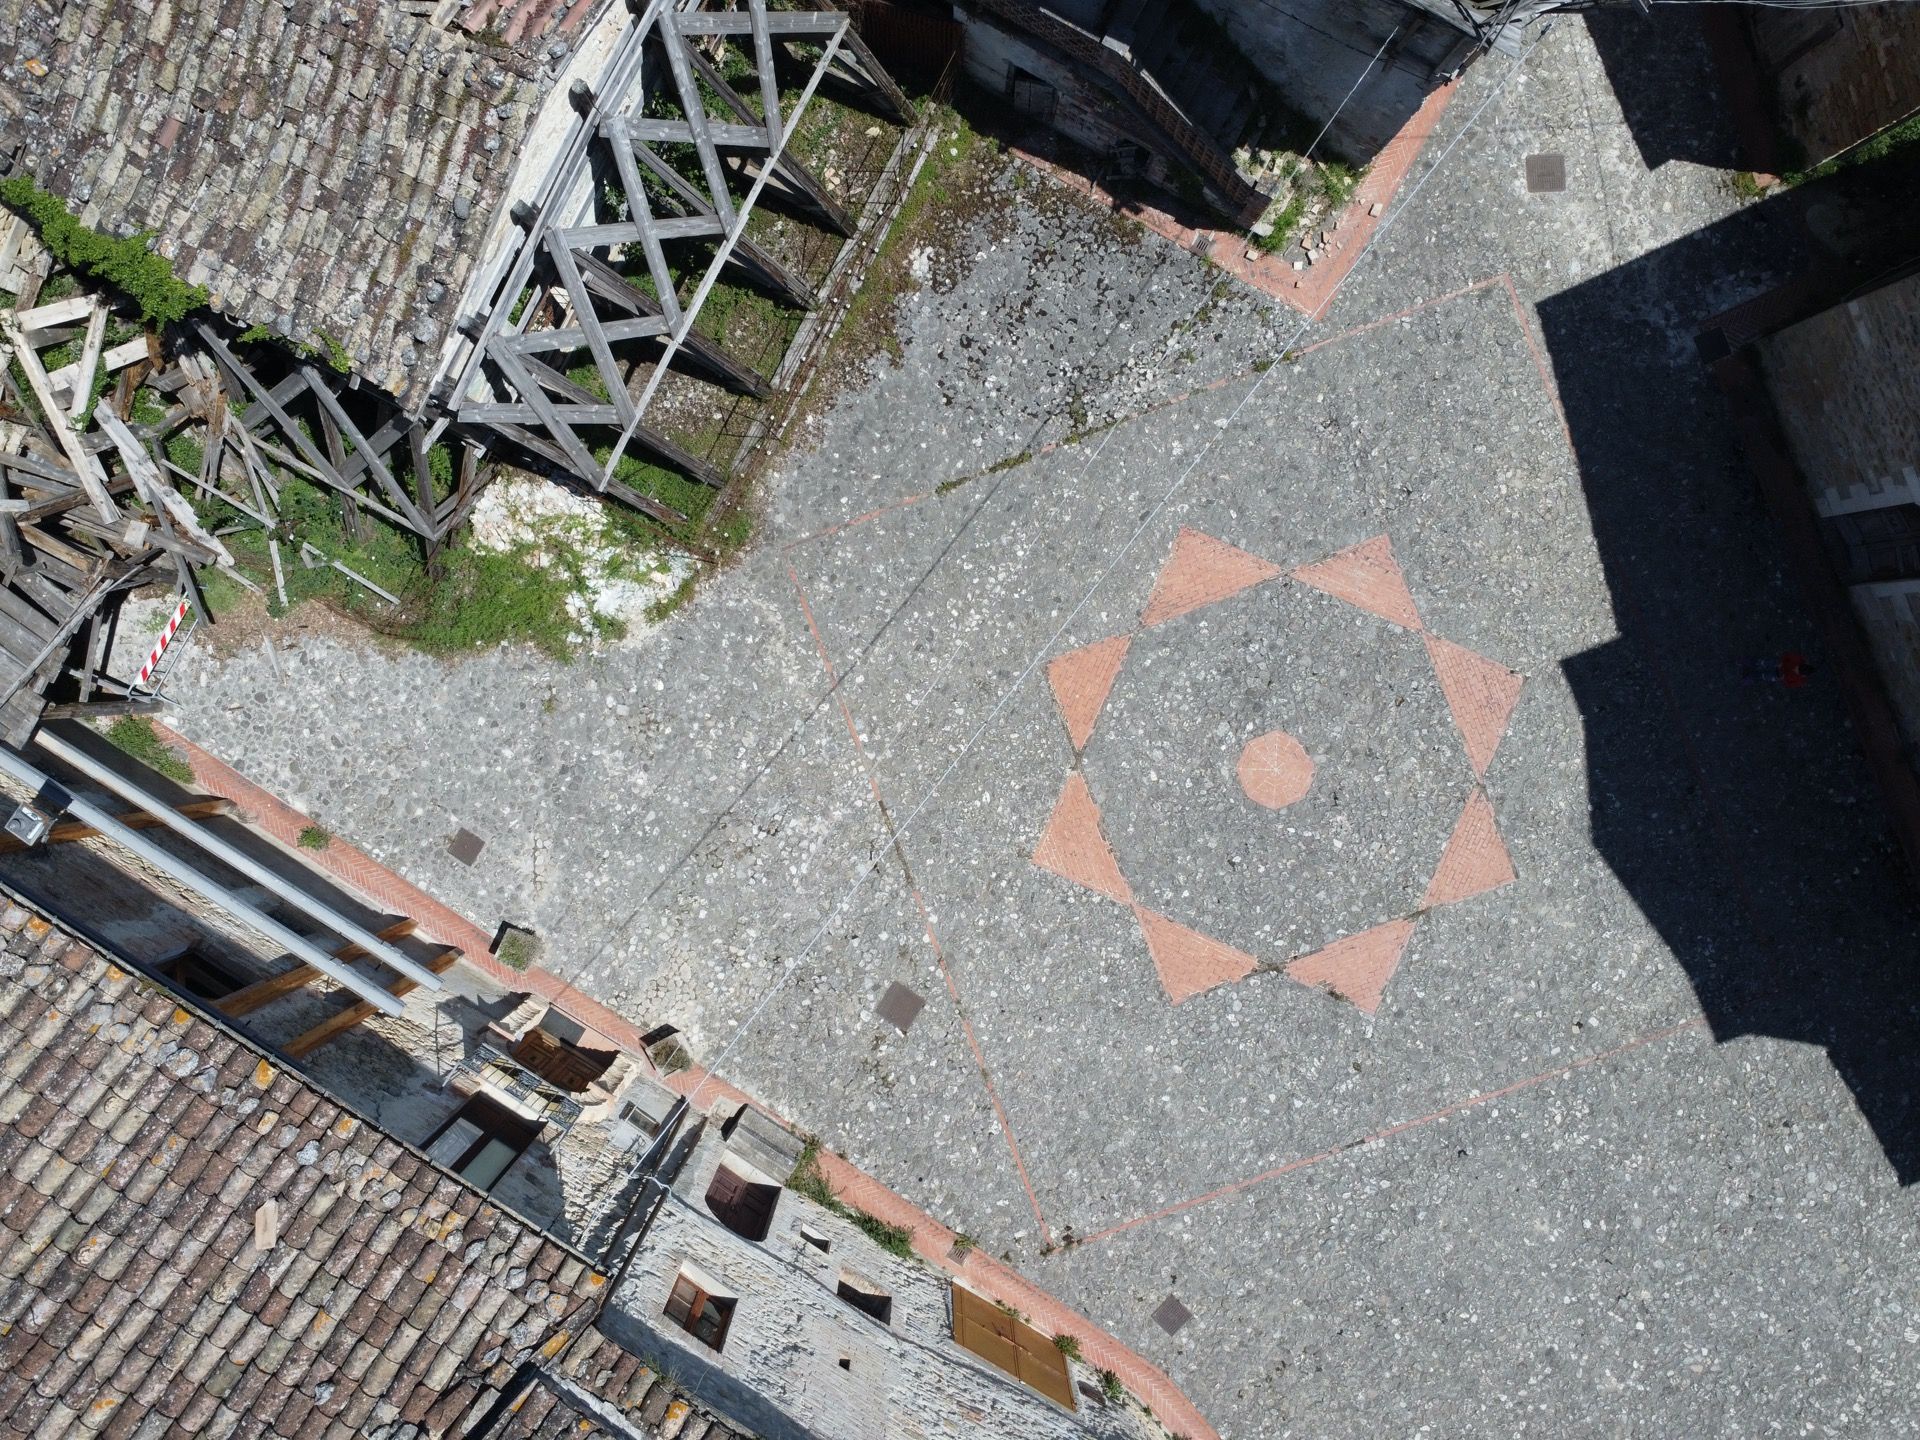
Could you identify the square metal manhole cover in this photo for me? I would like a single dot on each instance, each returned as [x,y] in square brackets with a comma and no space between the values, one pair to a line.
[1546,172]
[1171,1315]
[465,846]
[900,1007]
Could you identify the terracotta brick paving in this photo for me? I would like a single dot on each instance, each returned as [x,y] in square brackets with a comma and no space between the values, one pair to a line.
[931,1240]
[1082,679]
[1358,967]
[1475,860]
[1202,570]
[1368,577]
[1187,962]
[1275,770]
[1480,693]
[1073,847]
[1307,290]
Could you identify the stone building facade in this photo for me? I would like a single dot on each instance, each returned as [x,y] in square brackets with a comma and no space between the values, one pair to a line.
[1839,75]
[476,1216]
[1845,383]
[828,1334]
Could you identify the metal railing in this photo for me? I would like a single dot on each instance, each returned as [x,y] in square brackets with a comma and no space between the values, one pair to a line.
[498,1070]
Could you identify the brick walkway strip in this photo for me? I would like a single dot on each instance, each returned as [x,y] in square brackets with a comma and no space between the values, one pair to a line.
[932,1241]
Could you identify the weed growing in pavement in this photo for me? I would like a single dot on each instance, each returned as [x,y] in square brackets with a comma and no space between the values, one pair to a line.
[314,838]
[134,735]
[807,1180]
[1067,1345]
[1111,1388]
[518,950]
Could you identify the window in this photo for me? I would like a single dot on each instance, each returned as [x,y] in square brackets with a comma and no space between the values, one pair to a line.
[699,1312]
[740,1204]
[865,1296]
[639,1116]
[200,975]
[481,1141]
[1004,1340]
[814,1238]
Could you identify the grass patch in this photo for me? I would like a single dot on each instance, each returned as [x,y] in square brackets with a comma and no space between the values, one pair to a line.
[808,1181]
[667,604]
[1284,224]
[1875,147]
[480,599]
[1067,1345]
[518,950]
[935,204]
[1111,1388]
[312,837]
[133,734]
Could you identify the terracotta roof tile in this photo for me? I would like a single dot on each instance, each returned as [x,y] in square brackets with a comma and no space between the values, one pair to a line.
[127,1267]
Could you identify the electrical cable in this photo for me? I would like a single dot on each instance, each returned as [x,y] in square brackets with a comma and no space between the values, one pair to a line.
[793,963]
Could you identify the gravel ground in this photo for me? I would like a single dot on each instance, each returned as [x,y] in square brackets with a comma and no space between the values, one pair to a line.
[1572,1178]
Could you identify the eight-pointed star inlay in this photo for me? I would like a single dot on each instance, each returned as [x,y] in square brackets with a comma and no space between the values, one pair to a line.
[1275,771]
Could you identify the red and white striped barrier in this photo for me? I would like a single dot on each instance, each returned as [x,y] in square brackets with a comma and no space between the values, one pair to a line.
[160,646]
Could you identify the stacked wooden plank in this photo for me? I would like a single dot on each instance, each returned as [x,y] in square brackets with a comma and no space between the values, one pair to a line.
[88,512]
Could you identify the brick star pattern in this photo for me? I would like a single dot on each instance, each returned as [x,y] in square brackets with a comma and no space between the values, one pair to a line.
[1203,570]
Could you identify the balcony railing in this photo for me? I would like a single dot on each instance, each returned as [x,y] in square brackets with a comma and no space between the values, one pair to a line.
[498,1070]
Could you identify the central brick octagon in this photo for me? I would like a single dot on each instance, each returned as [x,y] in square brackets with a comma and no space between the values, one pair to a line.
[1275,770]
[1320,695]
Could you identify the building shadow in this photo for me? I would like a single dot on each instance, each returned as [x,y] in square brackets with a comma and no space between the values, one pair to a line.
[1662,66]
[1740,817]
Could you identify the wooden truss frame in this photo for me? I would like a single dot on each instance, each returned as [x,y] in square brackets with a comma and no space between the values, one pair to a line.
[510,381]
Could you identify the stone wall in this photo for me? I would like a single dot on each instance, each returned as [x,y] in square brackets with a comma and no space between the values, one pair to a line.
[1846,386]
[1312,51]
[781,1371]
[1840,75]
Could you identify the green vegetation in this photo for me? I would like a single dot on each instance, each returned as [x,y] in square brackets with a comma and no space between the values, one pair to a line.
[1337,183]
[1111,1387]
[1068,1346]
[134,735]
[314,838]
[935,201]
[518,950]
[1874,147]
[808,1181]
[667,604]
[128,265]
[1327,189]
[480,599]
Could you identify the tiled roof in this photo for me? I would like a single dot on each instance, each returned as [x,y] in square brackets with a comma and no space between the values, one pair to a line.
[621,1383]
[325,167]
[145,1281]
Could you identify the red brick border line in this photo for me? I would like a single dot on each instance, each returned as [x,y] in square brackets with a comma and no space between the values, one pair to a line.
[934,1242]
[366,876]
[1433,1117]
[1305,290]
[926,916]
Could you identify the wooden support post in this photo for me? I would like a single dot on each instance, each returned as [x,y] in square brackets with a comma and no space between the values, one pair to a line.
[334,1026]
[245,1001]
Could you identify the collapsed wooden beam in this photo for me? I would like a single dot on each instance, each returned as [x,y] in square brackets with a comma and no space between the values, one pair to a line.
[249,998]
[334,1026]
[68,831]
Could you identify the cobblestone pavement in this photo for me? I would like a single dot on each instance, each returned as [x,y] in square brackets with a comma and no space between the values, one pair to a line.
[1533,1161]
